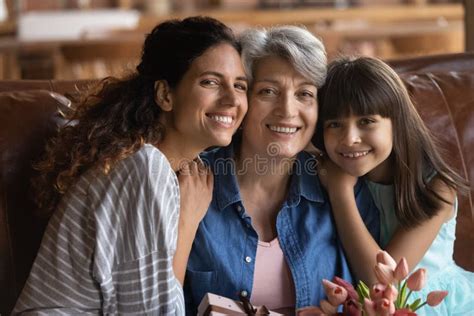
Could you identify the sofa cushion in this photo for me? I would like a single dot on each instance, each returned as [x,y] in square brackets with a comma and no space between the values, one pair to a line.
[27,119]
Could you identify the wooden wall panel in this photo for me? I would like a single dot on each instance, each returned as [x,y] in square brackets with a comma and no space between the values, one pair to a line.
[469,24]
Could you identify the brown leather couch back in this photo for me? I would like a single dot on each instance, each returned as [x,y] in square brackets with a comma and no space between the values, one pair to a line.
[442,88]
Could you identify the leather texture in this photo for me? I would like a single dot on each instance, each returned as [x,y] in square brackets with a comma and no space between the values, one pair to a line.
[442,88]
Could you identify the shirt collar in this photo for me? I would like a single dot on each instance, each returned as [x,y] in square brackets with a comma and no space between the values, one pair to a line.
[226,188]
[304,181]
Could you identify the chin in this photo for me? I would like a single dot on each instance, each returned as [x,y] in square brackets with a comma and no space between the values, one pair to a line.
[221,141]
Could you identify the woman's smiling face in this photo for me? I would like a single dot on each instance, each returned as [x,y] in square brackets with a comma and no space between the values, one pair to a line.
[282,110]
[210,100]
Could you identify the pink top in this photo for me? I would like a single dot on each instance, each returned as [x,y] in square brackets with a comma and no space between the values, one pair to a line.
[272,281]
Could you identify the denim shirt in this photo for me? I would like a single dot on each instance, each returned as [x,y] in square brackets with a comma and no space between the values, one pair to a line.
[222,256]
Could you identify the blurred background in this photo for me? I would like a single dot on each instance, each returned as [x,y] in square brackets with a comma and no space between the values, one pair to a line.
[85,39]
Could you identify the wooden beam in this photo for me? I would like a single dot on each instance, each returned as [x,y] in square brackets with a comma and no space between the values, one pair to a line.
[469,24]
[311,16]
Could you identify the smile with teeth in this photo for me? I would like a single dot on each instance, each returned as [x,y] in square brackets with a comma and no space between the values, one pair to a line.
[355,154]
[221,118]
[282,129]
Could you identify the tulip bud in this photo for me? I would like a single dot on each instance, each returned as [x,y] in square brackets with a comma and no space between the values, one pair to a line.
[377,291]
[436,297]
[352,308]
[369,307]
[336,294]
[385,258]
[351,292]
[390,293]
[416,281]
[383,273]
[401,270]
[385,307]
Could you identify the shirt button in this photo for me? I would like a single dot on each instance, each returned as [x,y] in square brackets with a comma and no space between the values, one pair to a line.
[244,293]
[248,259]
[239,208]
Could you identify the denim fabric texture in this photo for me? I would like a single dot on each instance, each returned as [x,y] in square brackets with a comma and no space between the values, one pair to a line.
[222,256]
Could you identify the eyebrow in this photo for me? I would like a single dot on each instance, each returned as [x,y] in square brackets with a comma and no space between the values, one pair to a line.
[218,74]
[305,83]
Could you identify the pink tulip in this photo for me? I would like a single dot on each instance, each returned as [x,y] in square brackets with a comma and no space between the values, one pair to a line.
[336,294]
[436,297]
[390,293]
[327,307]
[385,258]
[369,307]
[383,273]
[352,308]
[404,312]
[351,292]
[385,307]
[416,281]
[377,291]
[401,270]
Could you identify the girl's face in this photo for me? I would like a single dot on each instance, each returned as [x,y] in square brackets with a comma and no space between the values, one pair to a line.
[210,101]
[361,145]
[283,110]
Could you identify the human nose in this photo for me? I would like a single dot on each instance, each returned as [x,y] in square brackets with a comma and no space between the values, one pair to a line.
[286,107]
[230,96]
[351,135]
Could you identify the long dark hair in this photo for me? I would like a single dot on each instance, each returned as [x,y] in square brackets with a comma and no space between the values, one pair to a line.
[367,86]
[119,115]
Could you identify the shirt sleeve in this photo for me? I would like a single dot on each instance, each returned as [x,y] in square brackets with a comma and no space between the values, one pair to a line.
[118,258]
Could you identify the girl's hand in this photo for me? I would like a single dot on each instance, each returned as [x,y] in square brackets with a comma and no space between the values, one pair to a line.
[195,186]
[334,178]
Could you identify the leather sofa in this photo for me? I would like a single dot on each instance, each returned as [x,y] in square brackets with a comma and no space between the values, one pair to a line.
[441,86]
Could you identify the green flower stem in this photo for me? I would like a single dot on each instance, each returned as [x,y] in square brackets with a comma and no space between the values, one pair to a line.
[406,299]
[420,306]
[397,301]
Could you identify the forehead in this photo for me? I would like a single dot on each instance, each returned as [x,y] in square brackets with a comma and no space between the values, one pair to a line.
[218,58]
[276,68]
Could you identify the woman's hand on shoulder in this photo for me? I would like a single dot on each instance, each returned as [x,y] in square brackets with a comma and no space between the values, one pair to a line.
[196,184]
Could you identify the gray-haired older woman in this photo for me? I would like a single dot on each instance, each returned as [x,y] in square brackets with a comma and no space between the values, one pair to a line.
[268,233]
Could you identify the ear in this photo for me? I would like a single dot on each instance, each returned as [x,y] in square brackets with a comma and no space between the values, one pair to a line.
[163,95]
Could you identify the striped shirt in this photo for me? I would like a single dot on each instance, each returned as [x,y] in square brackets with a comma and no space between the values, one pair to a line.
[108,248]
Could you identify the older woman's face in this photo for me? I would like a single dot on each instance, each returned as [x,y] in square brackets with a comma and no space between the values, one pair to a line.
[282,110]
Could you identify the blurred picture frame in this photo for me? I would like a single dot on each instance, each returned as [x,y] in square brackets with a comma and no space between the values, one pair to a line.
[7,17]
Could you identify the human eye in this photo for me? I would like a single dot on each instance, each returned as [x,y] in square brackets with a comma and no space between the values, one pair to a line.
[306,94]
[241,86]
[364,121]
[332,124]
[209,82]
[267,92]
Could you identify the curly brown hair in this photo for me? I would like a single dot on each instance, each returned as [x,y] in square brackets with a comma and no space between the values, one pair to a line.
[117,116]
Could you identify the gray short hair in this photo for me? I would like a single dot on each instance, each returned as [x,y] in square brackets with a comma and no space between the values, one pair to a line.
[296,44]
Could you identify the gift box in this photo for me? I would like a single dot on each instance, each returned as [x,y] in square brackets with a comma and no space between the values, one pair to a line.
[216,305]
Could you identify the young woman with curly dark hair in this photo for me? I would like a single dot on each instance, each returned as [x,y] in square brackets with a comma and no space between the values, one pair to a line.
[119,235]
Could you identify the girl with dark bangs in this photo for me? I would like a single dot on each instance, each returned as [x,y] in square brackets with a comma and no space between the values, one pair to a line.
[124,181]
[369,127]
